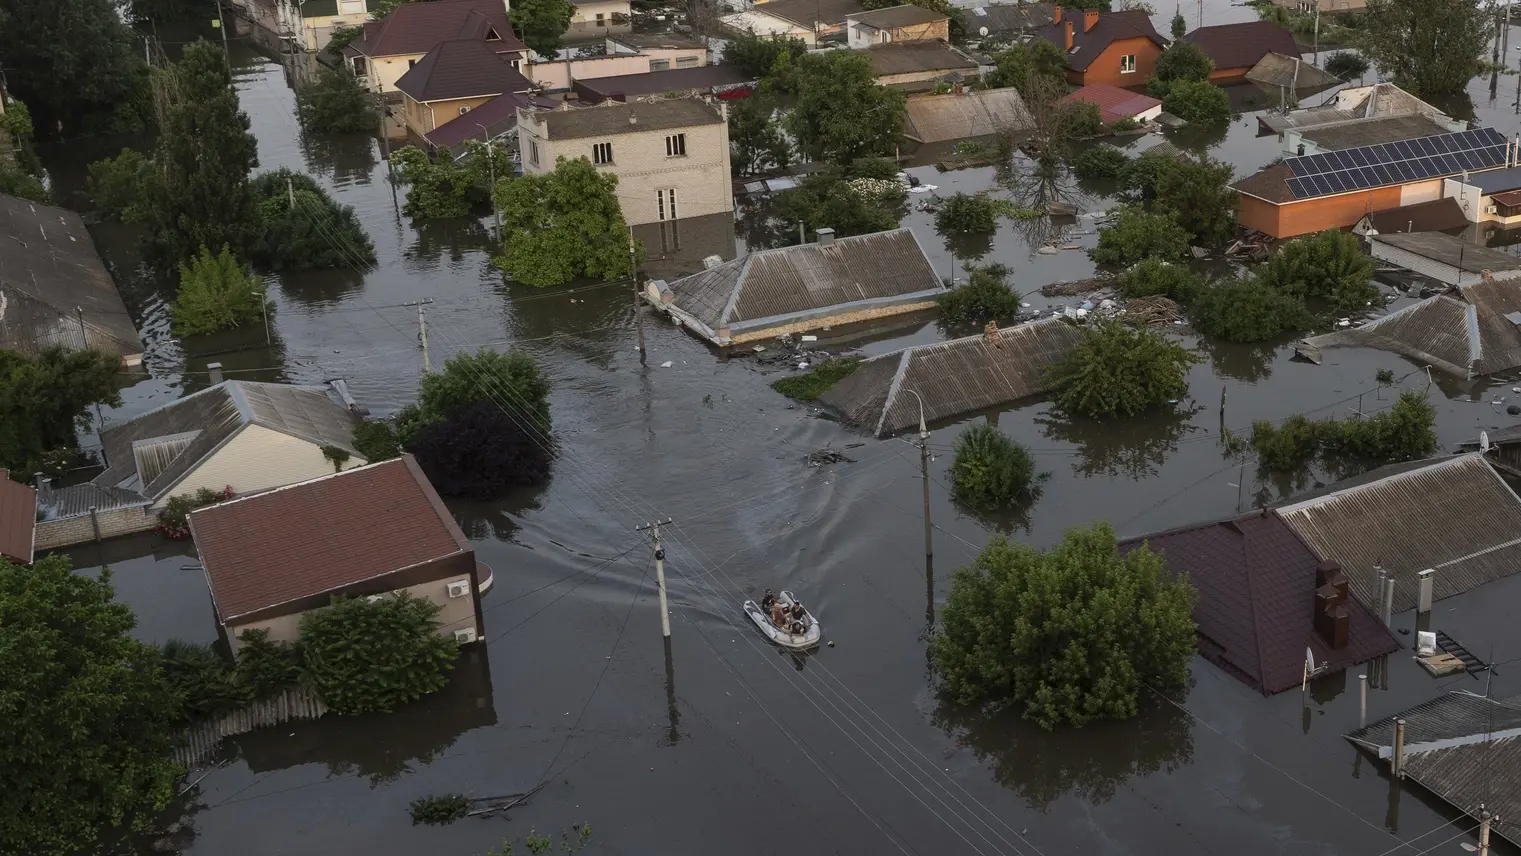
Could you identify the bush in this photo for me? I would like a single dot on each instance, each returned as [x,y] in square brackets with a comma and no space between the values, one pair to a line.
[962,212]
[264,667]
[1287,447]
[174,520]
[513,379]
[216,293]
[1069,636]
[1121,371]
[815,382]
[481,451]
[986,296]
[335,103]
[757,55]
[1081,119]
[1346,65]
[203,683]
[825,199]
[443,186]
[1125,124]
[882,169]
[1101,163]
[376,440]
[363,657]
[1182,61]
[15,181]
[1136,235]
[1329,265]
[1152,276]
[1198,103]
[439,810]
[1404,432]
[1246,310]
[992,472]
[121,188]
[1143,173]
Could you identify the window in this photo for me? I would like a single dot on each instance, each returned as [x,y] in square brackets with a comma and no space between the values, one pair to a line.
[665,204]
[676,146]
[351,7]
[491,35]
[686,61]
[411,63]
[515,64]
[601,18]
[359,70]
[533,152]
[1127,64]
[670,237]
[602,153]
[660,64]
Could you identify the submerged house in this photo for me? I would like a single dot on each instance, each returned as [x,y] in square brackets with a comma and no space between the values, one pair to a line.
[1236,49]
[966,115]
[1445,258]
[792,289]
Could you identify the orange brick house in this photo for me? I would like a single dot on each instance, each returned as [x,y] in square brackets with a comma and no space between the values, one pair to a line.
[1117,48]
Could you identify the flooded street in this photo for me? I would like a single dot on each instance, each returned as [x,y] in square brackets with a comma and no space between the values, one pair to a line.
[721,743]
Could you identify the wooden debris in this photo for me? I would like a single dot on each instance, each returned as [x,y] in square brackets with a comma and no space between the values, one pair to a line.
[1147,311]
[1076,287]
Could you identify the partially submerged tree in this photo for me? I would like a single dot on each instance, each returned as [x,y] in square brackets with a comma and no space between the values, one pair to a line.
[967,212]
[364,657]
[991,472]
[76,64]
[123,188]
[512,380]
[1101,162]
[1431,47]
[841,112]
[217,292]
[1197,196]
[1198,103]
[1068,636]
[1404,432]
[986,296]
[301,227]
[482,450]
[45,397]
[1151,276]
[1035,68]
[442,185]
[827,200]
[335,103]
[1181,61]
[1346,65]
[757,144]
[1119,371]
[542,24]
[563,224]
[1329,265]
[1244,309]
[1138,234]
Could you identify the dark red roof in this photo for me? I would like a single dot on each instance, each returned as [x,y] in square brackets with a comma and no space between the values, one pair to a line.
[322,536]
[1110,27]
[18,519]
[1256,604]
[461,68]
[1242,45]
[1113,102]
[1271,184]
[498,115]
[414,28]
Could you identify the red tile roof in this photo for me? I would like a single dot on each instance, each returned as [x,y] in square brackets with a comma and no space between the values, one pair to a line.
[415,28]
[461,68]
[18,519]
[1110,27]
[1256,605]
[1113,102]
[498,115]
[1241,46]
[322,535]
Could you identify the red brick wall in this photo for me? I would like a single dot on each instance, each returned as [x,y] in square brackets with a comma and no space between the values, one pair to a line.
[1314,215]
[1106,69]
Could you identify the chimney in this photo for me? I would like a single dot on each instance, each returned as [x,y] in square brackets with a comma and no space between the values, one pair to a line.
[632,119]
[959,88]
[1069,36]
[1427,582]
[990,335]
[1332,621]
[1056,14]
[215,370]
[1090,19]
[712,261]
[826,236]
[1486,275]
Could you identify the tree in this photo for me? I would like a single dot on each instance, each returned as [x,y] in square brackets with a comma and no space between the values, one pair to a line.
[1101,163]
[826,199]
[15,181]
[20,175]
[559,225]
[1404,432]
[1179,26]
[513,380]
[74,62]
[364,657]
[1143,172]
[443,185]
[342,37]
[1430,47]
[992,472]
[1069,636]
[1151,276]
[757,55]
[1346,65]
[1181,61]
[986,296]
[1245,309]
[482,451]
[216,293]
[376,440]
[967,212]
[335,103]
[123,188]
[1197,195]
[170,11]
[842,113]
[542,23]
[1329,265]
[1082,119]
[1118,370]
[1196,102]
[1035,68]
[314,233]
[85,712]
[756,142]
[1138,234]
[45,397]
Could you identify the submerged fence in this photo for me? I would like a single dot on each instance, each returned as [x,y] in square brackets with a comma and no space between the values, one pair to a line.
[200,742]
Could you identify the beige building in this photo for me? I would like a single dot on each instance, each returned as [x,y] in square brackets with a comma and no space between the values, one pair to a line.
[391,47]
[599,17]
[896,24]
[455,78]
[671,157]
[622,55]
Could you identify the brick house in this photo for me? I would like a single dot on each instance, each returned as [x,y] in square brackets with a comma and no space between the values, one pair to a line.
[1117,48]
[367,532]
[1237,48]
[454,78]
[896,24]
[671,157]
[390,47]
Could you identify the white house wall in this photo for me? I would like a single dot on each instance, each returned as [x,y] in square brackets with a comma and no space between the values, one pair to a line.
[257,459]
[1421,191]
[456,613]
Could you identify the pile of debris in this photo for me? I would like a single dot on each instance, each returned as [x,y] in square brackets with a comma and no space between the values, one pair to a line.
[830,455]
[1076,287]
[1150,311]
[1255,246]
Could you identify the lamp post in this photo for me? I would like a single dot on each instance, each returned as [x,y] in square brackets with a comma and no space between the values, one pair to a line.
[496,215]
[924,455]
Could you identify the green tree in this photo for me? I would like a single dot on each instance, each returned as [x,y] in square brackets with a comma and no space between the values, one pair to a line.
[45,397]
[364,657]
[1329,265]
[216,293]
[757,144]
[123,188]
[314,233]
[842,113]
[1245,309]
[559,225]
[1431,47]
[1035,68]
[1138,234]
[85,712]
[1068,636]
[15,181]
[512,380]
[1151,276]
[1404,432]
[75,63]
[986,296]
[966,212]
[1082,119]
[1143,172]
[335,103]
[1197,195]
[376,440]
[992,472]
[1346,65]
[1181,61]
[757,55]
[1179,26]
[342,37]
[1196,102]
[825,199]
[1120,371]
[170,11]
[1101,163]
[542,23]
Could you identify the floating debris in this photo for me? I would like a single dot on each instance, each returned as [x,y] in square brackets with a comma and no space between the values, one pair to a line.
[1153,310]
[828,455]
[1076,287]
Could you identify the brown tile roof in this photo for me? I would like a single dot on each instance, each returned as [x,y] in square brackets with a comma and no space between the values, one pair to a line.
[610,117]
[894,17]
[1113,102]
[1111,27]
[918,56]
[1271,184]
[1438,215]
[461,68]
[1256,604]
[1242,45]
[18,519]
[416,28]
[322,536]
[499,115]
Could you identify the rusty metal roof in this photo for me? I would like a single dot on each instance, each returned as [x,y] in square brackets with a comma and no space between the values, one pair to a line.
[953,378]
[18,519]
[974,113]
[1454,514]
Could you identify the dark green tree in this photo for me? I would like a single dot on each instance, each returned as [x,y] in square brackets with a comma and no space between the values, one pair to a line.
[1068,636]
[986,296]
[1138,234]
[1198,103]
[1346,65]
[757,55]
[1197,195]
[314,233]
[1035,68]
[481,451]
[123,188]
[85,712]
[757,144]
[1151,276]
[563,224]
[1179,26]
[216,292]
[170,11]
[541,24]
[512,380]
[841,112]
[825,199]
[364,657]
[1181,61]
[20,175]
[1119,370]
[1246,310]
[1431,47]
[1101,162]
[335,103]
[45,397]
[376,440]
[1329,265]
[76,64]
[991,472]
[967,212]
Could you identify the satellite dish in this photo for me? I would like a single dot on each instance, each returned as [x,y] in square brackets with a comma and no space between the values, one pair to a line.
[1309,659]
[982,31]
[1483,441]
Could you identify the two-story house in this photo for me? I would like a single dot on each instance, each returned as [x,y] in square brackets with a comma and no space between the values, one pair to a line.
[1117,48]
[453,79]
[390,48]
[671,156]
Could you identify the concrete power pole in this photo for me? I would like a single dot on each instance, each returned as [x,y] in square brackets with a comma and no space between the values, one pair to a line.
[924,457]
[633,272]
[665,610]
[422,331]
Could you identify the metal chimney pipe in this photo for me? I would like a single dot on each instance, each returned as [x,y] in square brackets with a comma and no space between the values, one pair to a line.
[1428,581]
[1398,765]
[215,370]
[1389,603]
[1362,684]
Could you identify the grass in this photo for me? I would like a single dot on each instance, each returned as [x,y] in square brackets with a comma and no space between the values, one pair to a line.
[812,384]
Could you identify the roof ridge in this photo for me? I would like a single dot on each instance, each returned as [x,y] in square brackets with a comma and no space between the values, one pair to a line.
[168,404]
[1436,462]
[1249,563]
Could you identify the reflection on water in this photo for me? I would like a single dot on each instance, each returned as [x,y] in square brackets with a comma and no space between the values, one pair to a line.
[1249,362]
[320,288]
[1137,452]
[345,159]
[243,353]
[457,239]
[496,519]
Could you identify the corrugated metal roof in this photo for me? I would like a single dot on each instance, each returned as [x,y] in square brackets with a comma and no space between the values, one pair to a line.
[18,519]
[1438,215]
[893,17]
[974,113]
[1432,332]
[953,378]
[1451,251]
[1455,515]
[1367,132]
[915,57]
[76,500]
[1352,103]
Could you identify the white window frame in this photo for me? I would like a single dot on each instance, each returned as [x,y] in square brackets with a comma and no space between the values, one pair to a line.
[662,197]
[533,152]
[602,153]
[686,62]
[676,146]
[1127,64]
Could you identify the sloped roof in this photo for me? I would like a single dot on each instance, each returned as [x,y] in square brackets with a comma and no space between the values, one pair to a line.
[1270,184]
[807,13]
[1367,132]
[1438,215]
[1495,180]
[894,17]
[917,56]
[1256,600]
[1353,103]
[1242,45]
[1454,514]
[18,519]
[1111,27]
[612,117]
[1113,102]
[1450,250]
[974,113]
[461,68]
[953,378]
[416,28]
[321,536]
[51,277]
[1003,17]
[626,86]
[499,115]
[1276,70]
[149,454]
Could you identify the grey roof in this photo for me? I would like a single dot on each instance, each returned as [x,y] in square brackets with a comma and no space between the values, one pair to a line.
[1450,250]
[807,13]
[1359,102]
[1438,215]
[51,277]
[76,500]
[659,40]
[151,453]
[1367,132]
[953,378]
[1495,180]
[974,113]
[1276,70]
[612,117]
[772,287]
[915,57]
[626,86]
[893,17]
[1004,17]
[1454,514]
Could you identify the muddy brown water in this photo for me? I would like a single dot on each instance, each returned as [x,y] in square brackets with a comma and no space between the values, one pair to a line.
[729,745]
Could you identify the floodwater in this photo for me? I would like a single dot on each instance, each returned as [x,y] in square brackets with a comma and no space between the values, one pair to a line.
[718,742]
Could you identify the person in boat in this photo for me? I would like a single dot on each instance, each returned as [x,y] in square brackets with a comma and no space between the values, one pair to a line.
[796,628]
[778,615]
[797,610]
[767,601]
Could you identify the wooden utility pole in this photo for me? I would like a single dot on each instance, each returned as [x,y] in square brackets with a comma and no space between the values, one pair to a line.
[633,272]
[422,331]
[665,611]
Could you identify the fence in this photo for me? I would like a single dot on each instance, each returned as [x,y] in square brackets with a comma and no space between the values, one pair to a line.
[200,742]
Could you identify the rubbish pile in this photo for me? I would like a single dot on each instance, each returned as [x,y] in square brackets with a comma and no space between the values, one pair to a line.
[1076,287]
[830,455]
[1254,246]
[1148,311]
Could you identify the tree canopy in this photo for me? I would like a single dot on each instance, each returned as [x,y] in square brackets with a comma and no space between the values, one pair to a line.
[481,451]
[562,224]
[1067,636]
[1329,265]
[85,712]
[335,103]
[1119,371]
[1201,103]
[45,397]
[757,144]
[442,185]
[364,657]
[841,112]
[75,62]
[1244,309]
[1035,68]
[828,199]
[513,379]
[1197,195]
[1138,234]
[217,292]
[1181,61]
[991,472]
[1431,47]
[301,227]
[757,55]
[541,24]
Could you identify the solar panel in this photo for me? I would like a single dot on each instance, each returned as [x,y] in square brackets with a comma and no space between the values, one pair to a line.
[1395,163]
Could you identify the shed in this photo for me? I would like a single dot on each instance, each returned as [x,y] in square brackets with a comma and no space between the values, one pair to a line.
[1442,257]
[1438,215]
[18,519]
[1115,103]
[966,115]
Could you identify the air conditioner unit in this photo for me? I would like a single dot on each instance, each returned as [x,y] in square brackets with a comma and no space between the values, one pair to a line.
[466,636]
[459,588]
[1490,209]
[374,598]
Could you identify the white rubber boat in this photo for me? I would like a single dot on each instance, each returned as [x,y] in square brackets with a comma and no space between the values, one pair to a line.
[781,636]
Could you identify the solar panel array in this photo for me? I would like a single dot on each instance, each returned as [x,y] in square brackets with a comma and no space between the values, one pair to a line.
[1395,163]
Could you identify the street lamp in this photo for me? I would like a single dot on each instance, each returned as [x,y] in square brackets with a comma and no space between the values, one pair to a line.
[929,549]
[496,215]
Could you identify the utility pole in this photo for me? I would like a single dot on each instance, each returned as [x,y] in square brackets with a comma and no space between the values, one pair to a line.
[665,611]
[290,190]
[1484,822]
[380,116]
[1317,33]
[422,331]
[222,25]
[633,270]
[496,215]
[264,305]
[924,458]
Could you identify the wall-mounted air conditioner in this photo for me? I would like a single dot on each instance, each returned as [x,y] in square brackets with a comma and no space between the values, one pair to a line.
[459,588]
[1490,209]
[466,636]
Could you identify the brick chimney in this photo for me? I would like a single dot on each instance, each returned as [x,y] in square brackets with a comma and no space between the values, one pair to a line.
[1090,19]
[1331,617]
[1056,14]
[1069,36]
[990,335]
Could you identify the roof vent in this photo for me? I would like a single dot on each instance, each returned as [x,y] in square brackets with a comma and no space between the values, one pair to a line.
[632,119]
[826,236]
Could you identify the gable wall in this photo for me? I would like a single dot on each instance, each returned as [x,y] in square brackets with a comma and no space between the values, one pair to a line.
[257,459]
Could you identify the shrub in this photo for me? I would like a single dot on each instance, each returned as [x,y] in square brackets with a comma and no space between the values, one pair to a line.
[376,440]
[1125,124]
[481,451]
[815,382]
[1346,65]
[15,181]
[986,296]
[1197,195]
[825,199]
[1196,102]
[1101,163]
[202,681]
[1288,446]
[216,293]
[316,233]
[962,212]
[1152,276]
[121,188]
[439,810]
[1181,62]
[364,657]
[1246,310]
[1404,432]
[174,520]
[1329,265]
[445,186]
[992,472]
[336,456]
[1121,371]
[1136,235]
[1144,171]
[1081,119]
[264,667]
[1068,636]
[883,169]
[335,103]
